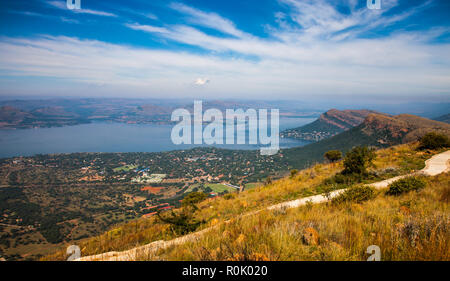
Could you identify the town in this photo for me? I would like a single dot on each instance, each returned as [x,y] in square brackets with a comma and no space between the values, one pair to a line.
[67,197]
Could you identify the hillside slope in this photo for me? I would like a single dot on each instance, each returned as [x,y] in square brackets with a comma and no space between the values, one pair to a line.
[390,162]
[413,226]
[328,124]
[377,130]
[434,166]
[444,118]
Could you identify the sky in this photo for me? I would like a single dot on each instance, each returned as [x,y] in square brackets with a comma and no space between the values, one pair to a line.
[254,49]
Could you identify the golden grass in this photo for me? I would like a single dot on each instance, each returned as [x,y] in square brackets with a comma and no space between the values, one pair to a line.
[403,159]
[414,226]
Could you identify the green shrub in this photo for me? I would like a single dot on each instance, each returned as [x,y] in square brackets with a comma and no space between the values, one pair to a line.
[406,185]
[356,194]
[333,155]
[358,160]
[193,198]
[293,172]
[434,141]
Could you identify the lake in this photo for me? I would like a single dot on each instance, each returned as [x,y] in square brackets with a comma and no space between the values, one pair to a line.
[111,137]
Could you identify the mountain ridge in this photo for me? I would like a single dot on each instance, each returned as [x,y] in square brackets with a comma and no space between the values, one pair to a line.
[329,124]
[444,118]
[378,130]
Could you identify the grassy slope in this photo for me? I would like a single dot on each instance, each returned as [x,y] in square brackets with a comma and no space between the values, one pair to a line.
[413,226]
[403,158]
[302,157]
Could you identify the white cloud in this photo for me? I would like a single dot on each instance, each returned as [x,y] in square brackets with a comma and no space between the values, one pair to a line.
[211,20]
[316,55]
[201,81]
[150,16]
[147,28]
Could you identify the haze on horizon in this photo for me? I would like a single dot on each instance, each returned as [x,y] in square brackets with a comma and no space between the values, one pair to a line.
[284,49]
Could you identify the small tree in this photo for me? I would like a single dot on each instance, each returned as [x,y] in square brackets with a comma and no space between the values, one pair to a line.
[193,198]
[358,160]
[293,172]
[333,155]
[434,140]
[183,221]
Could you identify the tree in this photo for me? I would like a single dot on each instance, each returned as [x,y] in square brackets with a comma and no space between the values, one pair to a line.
[358,160]
[193,198]
[183,221]
[293,172]
[434,140]
[333,155]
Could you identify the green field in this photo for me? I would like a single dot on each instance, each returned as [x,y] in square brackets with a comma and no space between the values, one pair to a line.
[251,185]
[125,168]
[216,187]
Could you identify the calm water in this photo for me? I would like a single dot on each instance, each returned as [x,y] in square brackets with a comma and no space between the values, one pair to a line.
[110,137]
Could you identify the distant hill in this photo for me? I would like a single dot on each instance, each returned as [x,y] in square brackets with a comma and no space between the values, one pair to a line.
[377,130]
[328,124]
[9,114]
[444,118]
[11,117]
[62,112]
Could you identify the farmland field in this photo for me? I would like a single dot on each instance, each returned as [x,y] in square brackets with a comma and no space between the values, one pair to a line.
[125,168]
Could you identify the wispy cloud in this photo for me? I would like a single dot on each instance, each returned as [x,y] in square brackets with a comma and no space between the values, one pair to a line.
[34,14]
[26,13]
[211,20]
[147,28]
[312,50]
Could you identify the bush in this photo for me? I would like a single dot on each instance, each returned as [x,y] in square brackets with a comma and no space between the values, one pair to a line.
[293,172]
[356,194]
[183,221]
[434,141]
[358,160]
[193,198]
[333,155]
[406,185]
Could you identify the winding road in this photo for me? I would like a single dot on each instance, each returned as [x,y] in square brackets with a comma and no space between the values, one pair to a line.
[436,165]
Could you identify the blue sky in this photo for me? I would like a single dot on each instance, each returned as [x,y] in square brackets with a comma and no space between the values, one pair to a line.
[289,49]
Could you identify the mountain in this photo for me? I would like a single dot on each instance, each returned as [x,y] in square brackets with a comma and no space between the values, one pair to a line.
[52,111]
[60,112]
[377,130]
[444,118]
[328,124]
[11,116]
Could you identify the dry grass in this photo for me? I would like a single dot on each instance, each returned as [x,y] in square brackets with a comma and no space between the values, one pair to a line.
[413,226]
[283,229]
